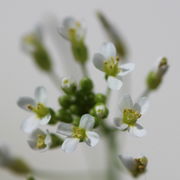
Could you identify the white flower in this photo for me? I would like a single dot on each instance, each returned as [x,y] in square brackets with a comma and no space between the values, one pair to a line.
[74,134]
[136,166]
[72,29]
[130,113]
[37,107]
[40,140]
[106,60]
[5,156]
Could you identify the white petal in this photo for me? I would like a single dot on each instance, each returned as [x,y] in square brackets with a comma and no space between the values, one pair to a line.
[142,104]
[69,22]
[23,102]
[92,138]
[119,124]
[45,120]
[87,121]
[30,124]
[70,144]
[126,68]
[108,50]
[32,144]
[48,140]
[64,129]
[128,162]
[137,130]
[98,61]
[40,95]
[126,102]
[114,83]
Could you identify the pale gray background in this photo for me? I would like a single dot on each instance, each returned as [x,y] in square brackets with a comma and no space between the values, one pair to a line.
[151,28]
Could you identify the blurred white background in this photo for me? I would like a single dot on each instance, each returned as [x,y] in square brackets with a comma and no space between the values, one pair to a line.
[151,29]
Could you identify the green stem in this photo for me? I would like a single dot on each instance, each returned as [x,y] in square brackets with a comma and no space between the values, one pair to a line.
[112,153]
[55,79]
[108,94]
[84,70]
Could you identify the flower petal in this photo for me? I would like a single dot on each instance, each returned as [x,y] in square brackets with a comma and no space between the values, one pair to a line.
[64,129]
[119,124]
[114,83]
[108,50]
[48,140]
[128,162]
[92,138]
[126,102]
[30,124]
[45,120]
[126,68]
[87,122]
[142,104]
[40,95]
[137,130]
[23,102]
[98,61]
[70,144]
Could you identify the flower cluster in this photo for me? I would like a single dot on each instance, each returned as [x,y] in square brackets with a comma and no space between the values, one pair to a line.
[82,114]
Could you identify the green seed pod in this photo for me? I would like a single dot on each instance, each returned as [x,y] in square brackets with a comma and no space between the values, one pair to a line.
[153,81]
[18,166]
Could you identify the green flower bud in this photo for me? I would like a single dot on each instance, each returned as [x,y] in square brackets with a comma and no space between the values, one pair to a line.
[64,115]
[101,110]
[66,100]
[18,166]
[74,109]
[80,51]
[56,141]
[100,98]
[155,77]
[86,84]
[68,86]
[34,46]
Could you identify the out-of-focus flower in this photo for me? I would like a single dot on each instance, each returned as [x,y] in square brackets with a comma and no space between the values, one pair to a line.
[136,166]
[75,134]
[68,86]
[36,106]
[130,113]
[5,155]
[40,140]
[72,29]
[107,61]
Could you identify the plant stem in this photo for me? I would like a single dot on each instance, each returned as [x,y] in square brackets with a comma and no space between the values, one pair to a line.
[108,94]
[55,79]
[84,70]
[112,148]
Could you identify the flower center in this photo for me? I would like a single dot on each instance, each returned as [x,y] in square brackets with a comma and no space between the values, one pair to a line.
[111,66]
[40,144]
[141,165]
[40,110]
[73,31]
[79,133]
[130,116]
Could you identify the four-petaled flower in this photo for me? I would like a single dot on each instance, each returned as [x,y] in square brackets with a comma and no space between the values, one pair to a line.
[37,106]
[40,140]
[75,134]
[106,60]
[72,29]
[136,166]
[130,113]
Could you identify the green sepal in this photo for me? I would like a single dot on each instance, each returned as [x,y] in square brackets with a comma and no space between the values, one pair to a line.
[53,119]
[56,141]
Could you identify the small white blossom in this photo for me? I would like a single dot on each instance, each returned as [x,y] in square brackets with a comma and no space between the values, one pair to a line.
[136,166]
[130,113]
[37,107]
[107,61]
[74,134]
[40,140]
[72,29]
